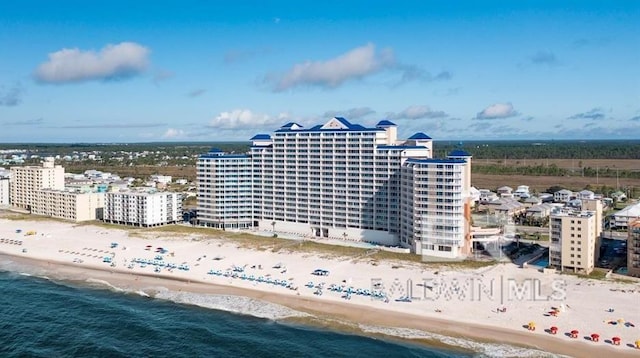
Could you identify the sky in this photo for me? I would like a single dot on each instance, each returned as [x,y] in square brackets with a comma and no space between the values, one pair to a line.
[138,71]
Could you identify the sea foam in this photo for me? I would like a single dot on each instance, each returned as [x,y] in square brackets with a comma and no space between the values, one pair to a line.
[483,349]
[235,304]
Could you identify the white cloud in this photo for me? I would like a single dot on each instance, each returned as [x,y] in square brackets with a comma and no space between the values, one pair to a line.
[119,61]
[245,119]
[498,110]
[417,112]
[173,133]
[354,64]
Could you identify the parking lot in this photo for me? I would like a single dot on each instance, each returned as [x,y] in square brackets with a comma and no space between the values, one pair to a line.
[613,254]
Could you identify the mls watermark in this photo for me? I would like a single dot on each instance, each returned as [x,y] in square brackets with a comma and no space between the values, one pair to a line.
[500,289]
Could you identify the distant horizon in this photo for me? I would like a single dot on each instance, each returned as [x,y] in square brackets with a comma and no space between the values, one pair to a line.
[213,71]
[450,141]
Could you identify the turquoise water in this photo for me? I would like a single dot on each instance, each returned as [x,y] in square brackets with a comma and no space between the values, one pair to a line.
[541,262]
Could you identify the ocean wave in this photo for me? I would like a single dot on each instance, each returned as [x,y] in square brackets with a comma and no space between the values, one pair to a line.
[235,304]
[105,284]
[484,350]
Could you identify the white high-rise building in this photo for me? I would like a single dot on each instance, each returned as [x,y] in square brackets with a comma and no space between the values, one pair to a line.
[5,176]
[27,180]
[224,190]
[338,180]
[142,208]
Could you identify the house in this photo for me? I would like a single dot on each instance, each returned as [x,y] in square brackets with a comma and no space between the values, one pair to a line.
[487,196]
[618,196]
[546,197]
[506,206]
[522,192]
[586,194]
[539,211]
[532,201]
[621,218]
[505,190]
[562,196]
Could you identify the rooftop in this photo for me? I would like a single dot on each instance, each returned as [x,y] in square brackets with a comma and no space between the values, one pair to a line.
[385,123]
[419,135]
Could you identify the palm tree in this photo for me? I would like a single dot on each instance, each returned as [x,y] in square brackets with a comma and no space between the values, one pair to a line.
[273,226]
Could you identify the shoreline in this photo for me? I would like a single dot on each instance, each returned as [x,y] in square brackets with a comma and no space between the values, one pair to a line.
[78,251]
[326,311]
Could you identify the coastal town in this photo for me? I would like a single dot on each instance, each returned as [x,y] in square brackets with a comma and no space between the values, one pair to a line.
[408,234]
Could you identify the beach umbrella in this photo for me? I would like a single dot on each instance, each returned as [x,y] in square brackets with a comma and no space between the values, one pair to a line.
[616,340]
[574,333]
[553,329]
[638,344]
[595,337]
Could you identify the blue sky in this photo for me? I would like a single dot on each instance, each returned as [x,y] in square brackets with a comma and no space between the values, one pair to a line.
[223,71]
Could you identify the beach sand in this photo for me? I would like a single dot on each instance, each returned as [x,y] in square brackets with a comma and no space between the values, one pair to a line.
[452,302]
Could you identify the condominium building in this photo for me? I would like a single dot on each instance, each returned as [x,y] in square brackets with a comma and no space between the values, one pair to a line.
[224,190]
[27,180]
[69,204]
[343,181]
[5,176]
[573,240]
[633,248]
[146,209]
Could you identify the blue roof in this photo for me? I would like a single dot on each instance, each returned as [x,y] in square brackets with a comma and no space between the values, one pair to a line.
[261,137]
[225,156]
[459,153]
[291,124]
[435,161]
[215,150]
[419,135]
[385,122]
[344,121]
[391,147]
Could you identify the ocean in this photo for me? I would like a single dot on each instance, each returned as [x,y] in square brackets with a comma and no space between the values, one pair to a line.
[64,317]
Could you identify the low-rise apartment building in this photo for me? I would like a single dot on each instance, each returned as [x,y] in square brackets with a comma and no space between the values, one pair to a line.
[148,208]
[69,204]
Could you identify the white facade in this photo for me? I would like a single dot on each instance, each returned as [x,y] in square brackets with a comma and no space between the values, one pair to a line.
[27,180]
[433,207]
[337,180]
[4,191]
[562,196]
[69,204]
[142,208]
[621,218]
[224,190]
[162,179]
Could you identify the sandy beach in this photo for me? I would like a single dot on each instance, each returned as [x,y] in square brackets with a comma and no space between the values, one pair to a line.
[491,304]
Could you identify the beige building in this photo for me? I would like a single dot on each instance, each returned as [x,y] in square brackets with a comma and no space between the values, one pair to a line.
[633,248]
[596,206]
[26,181]
[68,204]
[573,240]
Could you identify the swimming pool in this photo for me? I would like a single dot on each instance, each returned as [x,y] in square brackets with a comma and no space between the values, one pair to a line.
[541,262]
